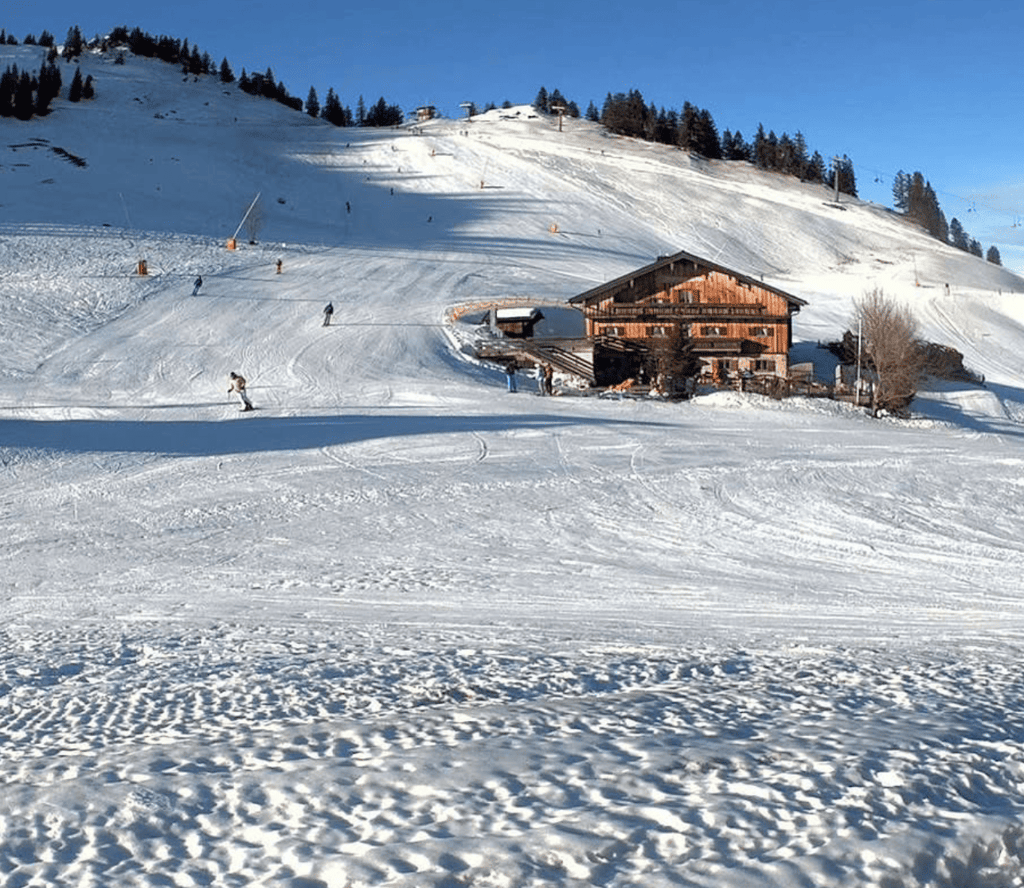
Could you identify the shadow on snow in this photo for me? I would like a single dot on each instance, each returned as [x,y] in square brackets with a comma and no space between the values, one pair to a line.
[255,434]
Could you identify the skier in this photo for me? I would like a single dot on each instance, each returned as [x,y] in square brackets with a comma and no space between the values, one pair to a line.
[237,384]
[279,264]
[198,283]
[328,311]
[510,375]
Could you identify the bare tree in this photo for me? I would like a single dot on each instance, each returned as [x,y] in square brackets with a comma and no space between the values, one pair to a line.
[670,361]
[891,349]
[254,220]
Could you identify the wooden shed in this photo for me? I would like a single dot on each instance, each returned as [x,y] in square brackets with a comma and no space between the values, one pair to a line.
[517,322]
[737,325]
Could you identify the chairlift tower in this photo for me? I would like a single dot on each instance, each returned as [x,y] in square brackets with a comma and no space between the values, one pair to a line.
[560,111]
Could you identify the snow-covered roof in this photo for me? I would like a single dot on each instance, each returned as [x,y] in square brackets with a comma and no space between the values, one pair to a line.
[683,256]
[519,313]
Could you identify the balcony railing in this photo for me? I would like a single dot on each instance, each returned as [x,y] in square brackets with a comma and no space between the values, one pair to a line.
[670,310]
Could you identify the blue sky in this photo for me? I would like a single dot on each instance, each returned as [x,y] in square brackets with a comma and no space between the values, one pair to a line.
[929,85]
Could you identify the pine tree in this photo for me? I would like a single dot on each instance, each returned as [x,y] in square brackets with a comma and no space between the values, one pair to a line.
[957,236]
[993,256]
[541,102]
[800,160]
[268,88]
[226,74]
[360,112]
[735,147]
[49,87]
[901,192]
[710,144]
[24,101]
[75,90]
[760,149]
[332,111]
[88,90]
[8,86]
[923,207]
[592,113]
[312,103]
[688,134]
[842,169]
[72,44]
[816,169]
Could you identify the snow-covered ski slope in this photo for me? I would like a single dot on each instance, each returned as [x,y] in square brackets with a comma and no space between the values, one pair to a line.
[399,627]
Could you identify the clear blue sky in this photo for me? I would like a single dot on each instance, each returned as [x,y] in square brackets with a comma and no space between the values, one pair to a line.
[929,85]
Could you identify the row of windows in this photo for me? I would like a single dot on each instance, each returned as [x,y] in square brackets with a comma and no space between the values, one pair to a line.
[706,331]
[721,330]
[759,366]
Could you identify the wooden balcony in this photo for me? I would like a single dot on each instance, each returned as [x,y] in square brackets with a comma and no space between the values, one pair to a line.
[670,311]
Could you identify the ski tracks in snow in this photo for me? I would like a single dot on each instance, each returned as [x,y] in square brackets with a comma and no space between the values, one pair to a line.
[365,758]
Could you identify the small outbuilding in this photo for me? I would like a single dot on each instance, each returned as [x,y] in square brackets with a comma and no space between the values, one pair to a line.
[517,322]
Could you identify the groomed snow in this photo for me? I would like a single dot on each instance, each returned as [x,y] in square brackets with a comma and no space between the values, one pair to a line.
[401,628]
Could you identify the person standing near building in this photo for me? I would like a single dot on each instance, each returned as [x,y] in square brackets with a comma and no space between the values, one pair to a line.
[549,379]
[510,375]
[237,385]
[541,381]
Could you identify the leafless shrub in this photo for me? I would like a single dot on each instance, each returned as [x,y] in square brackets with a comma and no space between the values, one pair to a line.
[254,220]
[891,349]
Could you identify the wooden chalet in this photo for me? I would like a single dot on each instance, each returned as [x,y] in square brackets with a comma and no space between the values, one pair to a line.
[737,325]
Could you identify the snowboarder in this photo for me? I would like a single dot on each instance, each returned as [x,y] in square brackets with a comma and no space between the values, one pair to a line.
[198,283]
[328,312]
[510,375]
[238,385]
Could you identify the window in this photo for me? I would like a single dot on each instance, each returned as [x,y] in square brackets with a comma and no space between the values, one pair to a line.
[712,331]
[613,331]
[760,332]
[657,331]
[764,366]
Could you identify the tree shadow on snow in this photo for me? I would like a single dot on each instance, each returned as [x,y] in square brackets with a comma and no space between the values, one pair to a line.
[256,434]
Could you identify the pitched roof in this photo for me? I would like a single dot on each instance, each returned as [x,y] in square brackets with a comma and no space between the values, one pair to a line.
[683,256]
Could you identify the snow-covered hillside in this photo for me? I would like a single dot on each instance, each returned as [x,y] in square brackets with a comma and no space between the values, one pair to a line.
[400,627]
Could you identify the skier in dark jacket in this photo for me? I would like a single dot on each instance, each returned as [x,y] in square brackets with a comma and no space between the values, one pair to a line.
[328,312]
[198,283]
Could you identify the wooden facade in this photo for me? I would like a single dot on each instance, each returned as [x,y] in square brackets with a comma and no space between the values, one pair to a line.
[736,324]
